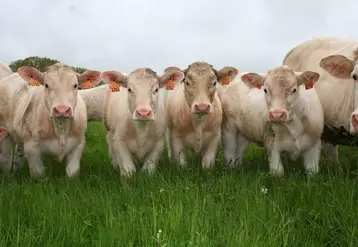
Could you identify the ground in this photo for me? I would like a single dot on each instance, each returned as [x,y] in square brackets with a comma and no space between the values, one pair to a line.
[180,207]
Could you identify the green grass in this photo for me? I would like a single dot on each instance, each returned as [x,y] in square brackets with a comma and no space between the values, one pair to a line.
[190,206]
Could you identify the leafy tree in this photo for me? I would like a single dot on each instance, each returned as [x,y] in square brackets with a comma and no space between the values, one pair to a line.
[39,63]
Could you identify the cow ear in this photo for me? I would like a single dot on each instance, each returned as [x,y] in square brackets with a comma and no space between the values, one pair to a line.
[4,70]
[89,79]
[338,66]
[31,75]
[114,79]
[308,78]
[226,75]
[171,78]
[253,80]
[171,68]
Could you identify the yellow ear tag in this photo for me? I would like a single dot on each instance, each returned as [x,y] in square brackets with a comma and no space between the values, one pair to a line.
[170,85]
[33,82]
[225,80]
[86,85]
[114,87]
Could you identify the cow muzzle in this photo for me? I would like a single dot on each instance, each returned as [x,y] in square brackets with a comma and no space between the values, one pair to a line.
[62,111]
[277,116]
[201,108]
[143,114]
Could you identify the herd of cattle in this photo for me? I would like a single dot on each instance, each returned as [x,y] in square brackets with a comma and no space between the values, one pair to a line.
[300,107]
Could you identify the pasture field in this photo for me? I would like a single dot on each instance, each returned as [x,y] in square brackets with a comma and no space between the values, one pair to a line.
[180,207]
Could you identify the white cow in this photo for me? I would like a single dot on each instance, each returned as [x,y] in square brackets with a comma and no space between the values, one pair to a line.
[194,112]
[336,61]
[135,118]
[94,99]
[6,147]
[284,117]
[49,119]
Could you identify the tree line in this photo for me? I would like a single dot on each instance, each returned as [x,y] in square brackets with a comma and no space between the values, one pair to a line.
[41,63]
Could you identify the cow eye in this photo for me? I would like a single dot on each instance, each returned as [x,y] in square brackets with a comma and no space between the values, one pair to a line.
[354,76]
[75,86]
[156,90]
[186,83]
[265,90]
[46,85]
[129,90]
[294,90]
[214,84]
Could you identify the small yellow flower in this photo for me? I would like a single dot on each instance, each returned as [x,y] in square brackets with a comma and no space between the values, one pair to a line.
[161,191]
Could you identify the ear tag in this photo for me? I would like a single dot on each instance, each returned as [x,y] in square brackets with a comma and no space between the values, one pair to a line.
[225,80]
[256,84]
[170,85]
[114,87]
[33,82]
[86,85]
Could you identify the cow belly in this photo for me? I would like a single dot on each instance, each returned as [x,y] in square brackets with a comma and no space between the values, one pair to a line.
[53,148]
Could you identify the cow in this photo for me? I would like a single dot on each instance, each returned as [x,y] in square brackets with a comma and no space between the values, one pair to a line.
[244,115]
[285,115]
[194,112]
[44,114]
[94,99]
[335,59]
[134,117]
[6,146]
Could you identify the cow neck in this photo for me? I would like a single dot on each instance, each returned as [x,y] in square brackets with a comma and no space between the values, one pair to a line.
[142,130]
[61,129]
[198,124]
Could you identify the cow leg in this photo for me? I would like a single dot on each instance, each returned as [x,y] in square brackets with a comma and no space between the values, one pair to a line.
[123,157]
[311,159]
[242,145]
[153,157]
[210,152]
[167,139]
[330,151]
[33,156]
[109,138]
[19,156]
[6,148]
[74,158]
[230,145]
[177,150]
[276,167]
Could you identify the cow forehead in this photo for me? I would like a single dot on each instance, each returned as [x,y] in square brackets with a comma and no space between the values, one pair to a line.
[200,73]
[143,77]
[281,78]
[61,75]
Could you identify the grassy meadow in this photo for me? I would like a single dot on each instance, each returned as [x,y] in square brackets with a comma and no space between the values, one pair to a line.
[181,207]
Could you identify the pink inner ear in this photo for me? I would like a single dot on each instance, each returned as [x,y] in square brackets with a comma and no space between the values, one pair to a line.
[3,133]
[176,75]
[108,77]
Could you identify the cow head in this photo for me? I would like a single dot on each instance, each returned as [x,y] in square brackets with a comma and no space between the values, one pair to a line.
[281,87]
[200,83]
[60,84]
[143,87]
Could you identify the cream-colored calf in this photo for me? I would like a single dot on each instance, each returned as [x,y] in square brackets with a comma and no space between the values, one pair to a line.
[295,116]
[135,117]
[194,111]
[47,116]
